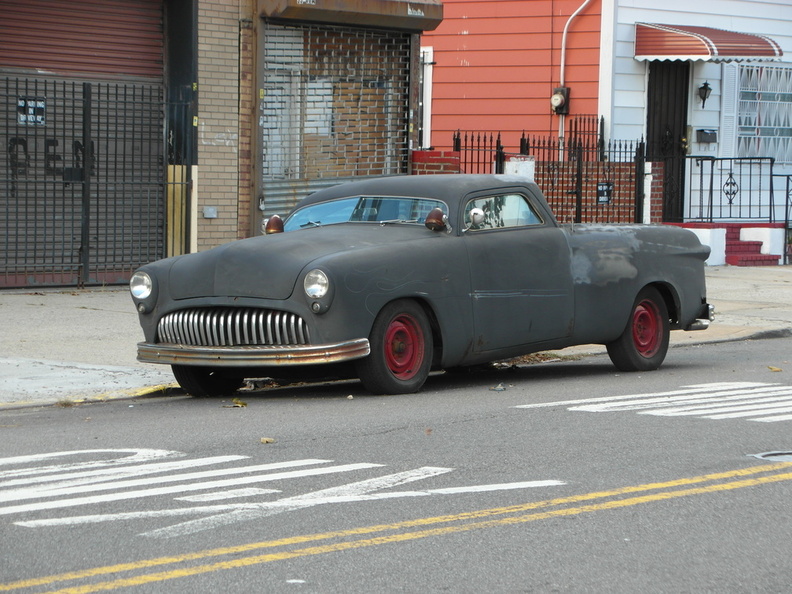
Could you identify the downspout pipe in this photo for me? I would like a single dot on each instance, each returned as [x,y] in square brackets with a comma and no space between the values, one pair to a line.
[562,77]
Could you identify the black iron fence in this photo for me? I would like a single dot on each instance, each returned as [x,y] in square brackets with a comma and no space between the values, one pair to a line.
[582,177]
[587,179]
[730,189]
[782,184]
[84,177]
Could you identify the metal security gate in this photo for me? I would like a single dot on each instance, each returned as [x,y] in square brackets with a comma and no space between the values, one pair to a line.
[333,106]
[82,181]
[666,130]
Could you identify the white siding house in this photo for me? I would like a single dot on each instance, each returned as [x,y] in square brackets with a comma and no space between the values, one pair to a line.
[624,79]
[728,155]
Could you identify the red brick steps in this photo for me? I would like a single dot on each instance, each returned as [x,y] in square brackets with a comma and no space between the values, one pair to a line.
[738,252]
[745,253]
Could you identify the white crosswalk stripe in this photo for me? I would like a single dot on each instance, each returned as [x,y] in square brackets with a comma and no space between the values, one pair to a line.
[210,492]
[753,401]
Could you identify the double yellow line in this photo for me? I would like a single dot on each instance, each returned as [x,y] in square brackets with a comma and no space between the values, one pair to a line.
[404,531]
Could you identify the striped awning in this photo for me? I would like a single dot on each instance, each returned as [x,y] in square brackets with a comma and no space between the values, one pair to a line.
[654,41]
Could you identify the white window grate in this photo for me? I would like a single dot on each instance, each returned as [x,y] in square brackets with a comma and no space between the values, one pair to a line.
[764,124]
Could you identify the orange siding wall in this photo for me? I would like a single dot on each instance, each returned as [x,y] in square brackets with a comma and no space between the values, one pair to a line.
[497,62]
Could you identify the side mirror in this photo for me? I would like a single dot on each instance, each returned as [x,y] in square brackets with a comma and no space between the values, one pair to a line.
[274,224]
[436,220]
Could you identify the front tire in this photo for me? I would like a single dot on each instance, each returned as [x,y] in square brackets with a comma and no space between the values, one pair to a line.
[205,381]
[644,343]
[401,350]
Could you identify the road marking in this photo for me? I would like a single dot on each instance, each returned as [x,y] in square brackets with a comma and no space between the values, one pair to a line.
[231,494]
[94,499]
[235,513]
[761,401]
[62,481]
[75,484]
[220,515]
[402,531]
[67,488]
[138,455]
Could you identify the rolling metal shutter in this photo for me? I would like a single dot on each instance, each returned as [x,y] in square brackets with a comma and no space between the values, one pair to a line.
[99,37]
[81,78]
[334,106]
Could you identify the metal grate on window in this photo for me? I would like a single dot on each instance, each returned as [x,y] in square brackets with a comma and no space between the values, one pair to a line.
[765,112]
[334,102]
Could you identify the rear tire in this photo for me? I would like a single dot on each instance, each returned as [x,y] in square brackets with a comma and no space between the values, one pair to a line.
[643,344]
[205,381]
[401,350]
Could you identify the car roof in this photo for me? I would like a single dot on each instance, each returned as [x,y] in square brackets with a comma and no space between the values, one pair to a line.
[446,187]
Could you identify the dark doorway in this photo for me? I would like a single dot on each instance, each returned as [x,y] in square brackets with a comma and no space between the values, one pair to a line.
[666,130]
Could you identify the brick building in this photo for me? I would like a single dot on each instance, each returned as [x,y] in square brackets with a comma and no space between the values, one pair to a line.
[137,129]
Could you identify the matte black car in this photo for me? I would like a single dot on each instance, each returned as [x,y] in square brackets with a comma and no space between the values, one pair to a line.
[388,278]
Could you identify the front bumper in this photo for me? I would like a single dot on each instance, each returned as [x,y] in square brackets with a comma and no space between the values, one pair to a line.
[253,356]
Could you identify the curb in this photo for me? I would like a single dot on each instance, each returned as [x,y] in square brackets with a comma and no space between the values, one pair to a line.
[76,400]
[173,389]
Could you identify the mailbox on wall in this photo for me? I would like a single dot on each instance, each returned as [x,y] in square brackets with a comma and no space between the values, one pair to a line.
[706,136]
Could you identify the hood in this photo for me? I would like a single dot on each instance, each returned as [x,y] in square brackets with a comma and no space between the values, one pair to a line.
[268,266]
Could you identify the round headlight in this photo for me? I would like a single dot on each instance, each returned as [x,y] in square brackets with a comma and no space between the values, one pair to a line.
[140,285]
[316,284]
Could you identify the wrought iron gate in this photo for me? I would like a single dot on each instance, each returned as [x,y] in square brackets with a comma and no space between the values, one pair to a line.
[666,130]
[82,181]
[582,178]
[733,189]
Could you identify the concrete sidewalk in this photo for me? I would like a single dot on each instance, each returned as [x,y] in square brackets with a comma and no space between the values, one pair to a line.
[76,345]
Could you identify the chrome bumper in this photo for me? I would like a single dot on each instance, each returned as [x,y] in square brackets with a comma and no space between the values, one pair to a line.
[706,315]
[253,356]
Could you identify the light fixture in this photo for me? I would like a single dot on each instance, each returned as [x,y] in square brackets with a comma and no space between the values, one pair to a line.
[704,91]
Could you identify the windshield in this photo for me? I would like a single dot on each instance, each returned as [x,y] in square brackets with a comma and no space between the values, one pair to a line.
[362,209]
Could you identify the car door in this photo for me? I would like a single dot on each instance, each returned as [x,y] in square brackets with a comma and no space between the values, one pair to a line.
[521,284]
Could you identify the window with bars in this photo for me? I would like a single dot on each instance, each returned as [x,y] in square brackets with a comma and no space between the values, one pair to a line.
[334,102]
[764,112]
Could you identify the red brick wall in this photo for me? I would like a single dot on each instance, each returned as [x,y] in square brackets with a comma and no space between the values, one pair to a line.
[557,181]
[427,162]
[656,192]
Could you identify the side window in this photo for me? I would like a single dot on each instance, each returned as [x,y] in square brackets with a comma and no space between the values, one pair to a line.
[509,210]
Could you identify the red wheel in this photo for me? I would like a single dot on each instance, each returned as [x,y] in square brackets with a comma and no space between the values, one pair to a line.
[404,347]
[401,350]
[647,328]
[643,344]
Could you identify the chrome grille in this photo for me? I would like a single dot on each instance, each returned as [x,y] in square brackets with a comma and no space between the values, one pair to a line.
[232,327]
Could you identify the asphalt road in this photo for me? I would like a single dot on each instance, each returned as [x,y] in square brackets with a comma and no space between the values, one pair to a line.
[61,346]
[566,476]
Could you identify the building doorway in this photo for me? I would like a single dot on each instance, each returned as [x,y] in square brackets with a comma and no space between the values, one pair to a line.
[666,130]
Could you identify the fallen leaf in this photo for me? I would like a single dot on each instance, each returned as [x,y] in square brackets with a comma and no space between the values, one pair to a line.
[771,368]
[236,403]
[267,440]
